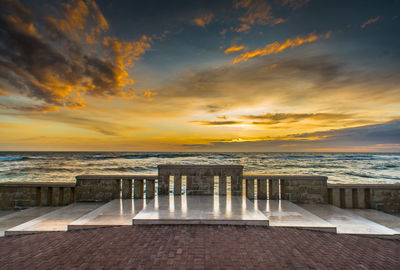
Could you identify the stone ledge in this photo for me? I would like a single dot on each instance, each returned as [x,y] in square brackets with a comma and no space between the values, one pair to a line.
[172,166]
[285,177]
[374,186]
[116,177]
[38,184]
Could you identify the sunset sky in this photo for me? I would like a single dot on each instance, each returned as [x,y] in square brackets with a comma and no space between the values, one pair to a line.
[226,75]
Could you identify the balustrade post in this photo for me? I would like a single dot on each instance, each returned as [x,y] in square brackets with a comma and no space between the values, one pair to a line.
[138,188]
[262,189]
[150,188]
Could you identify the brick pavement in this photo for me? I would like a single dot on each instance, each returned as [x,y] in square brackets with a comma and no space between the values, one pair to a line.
[197,247]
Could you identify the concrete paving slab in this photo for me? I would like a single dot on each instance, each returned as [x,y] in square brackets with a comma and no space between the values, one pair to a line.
[54,221]
[287,214]
[233,210]
[19,217]
[347,222]
[7,212]
[114,213]
[387,220]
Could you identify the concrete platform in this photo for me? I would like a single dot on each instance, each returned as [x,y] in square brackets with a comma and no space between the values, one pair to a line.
[192,209]
[390,221]
[114,213]
[7,212]
[19,217]
[287,214]
[54,221]
[348,222]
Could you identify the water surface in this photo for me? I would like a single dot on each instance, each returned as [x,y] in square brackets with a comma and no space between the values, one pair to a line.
[64,166]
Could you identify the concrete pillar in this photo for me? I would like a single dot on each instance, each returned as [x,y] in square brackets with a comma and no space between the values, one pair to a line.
[139,189]
[361,198]
[150,189]
[126,189]
[61,196]
[336,197]
[262,189]
[73,195]
[236,185]
[222,185]
[348,198]
[67,196]
[178,185]
[55,196]
[250,189]
[44,196]
[163,185]
[274,189]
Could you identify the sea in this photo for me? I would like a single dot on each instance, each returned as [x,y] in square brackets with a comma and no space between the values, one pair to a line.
[345,168]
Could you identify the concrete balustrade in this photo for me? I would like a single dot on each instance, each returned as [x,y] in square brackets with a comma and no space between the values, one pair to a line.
[199,180]
[104,188]
[384,197]
[17,195]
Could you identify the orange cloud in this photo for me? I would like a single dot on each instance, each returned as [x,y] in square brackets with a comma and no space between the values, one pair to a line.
[3,93]
[257,12]
[241,3]
[235,49]
[370,21]
[277,47]
[216,123]
[56,65]
[203,20]
[243,27]
[149,96]
[80,16]
[127,52]
[34,109]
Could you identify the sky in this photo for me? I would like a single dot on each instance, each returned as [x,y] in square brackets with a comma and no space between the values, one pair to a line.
[227,75]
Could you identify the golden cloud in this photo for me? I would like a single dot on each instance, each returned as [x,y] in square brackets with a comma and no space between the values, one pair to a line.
[235,49]
[149,95]
[3,93]
[256,12]
[370,21]
[56,65]
[277,47]
[216,123]
[203,20]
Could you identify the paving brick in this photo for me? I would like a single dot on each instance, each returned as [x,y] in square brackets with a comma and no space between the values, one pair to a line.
[197,247]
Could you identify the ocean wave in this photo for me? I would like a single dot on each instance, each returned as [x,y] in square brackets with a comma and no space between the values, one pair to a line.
[102,157]
[145,156]
[377,177]
[295,157]
[385,166]
[13,158]
[158,155]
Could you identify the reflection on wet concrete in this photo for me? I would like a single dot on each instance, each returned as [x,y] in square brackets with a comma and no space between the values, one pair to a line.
[201,209]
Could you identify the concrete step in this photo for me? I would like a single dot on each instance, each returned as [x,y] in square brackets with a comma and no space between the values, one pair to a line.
[114,213]
[19,217]
[387,220]
[192,209]
[348,222]
[54,221]
[287,214]
[7,212]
